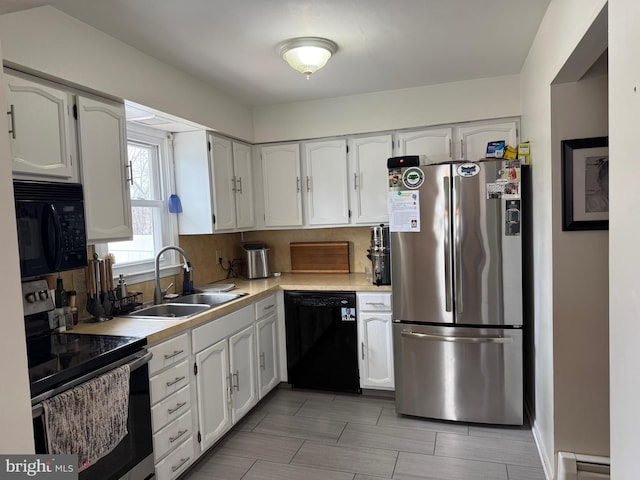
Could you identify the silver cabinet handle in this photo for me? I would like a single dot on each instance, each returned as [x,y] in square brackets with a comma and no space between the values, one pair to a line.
[233,184]
[447,246]
[355,181]
[129,178]
[177,379]
[239,182]
[262,362]
[177,407]
[297,184]
[237,384]
[362,346]
[175,353]
[12,116]
[269,307]
[308,183]
[450,150]
[180,433]
[229,388]
[376,304]
[444,338]
[182,462]
[461,150]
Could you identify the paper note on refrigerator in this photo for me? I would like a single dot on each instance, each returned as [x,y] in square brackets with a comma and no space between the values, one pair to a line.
[404,211]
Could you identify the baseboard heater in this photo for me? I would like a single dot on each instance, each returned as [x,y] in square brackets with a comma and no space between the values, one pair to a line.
[574,466]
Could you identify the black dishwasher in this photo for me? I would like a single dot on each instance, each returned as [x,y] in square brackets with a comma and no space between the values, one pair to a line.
[322,351]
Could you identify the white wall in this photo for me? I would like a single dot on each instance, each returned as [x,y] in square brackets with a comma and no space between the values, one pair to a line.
[624,231]
[565,22]
[581,287]
[395,109]
[49,41]
[15,407]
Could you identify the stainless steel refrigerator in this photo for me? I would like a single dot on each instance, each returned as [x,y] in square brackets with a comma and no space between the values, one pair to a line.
[456,270]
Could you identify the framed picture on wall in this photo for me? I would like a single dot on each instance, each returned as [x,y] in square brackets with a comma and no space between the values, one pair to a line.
[585,184]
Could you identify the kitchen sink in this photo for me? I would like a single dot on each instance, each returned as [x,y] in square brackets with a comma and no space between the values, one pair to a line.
[213,299]
[170,311]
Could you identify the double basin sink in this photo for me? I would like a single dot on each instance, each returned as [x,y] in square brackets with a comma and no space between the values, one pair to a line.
[185,306]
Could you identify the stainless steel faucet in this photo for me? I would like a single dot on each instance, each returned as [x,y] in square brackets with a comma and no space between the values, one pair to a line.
[187,285]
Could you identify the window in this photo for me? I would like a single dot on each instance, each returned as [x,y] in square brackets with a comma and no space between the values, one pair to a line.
[153,227]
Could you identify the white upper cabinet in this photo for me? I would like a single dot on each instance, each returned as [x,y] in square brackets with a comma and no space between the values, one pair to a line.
[473,139]
[243,177]
[40,129]
[325,183]
[435,143]
[102,138]
[223,181]
[282,183]
[215,183]
[369,179]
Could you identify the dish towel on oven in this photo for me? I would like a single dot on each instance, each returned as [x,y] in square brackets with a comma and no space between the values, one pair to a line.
[89,420]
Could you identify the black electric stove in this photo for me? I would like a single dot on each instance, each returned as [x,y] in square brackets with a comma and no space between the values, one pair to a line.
[56,358]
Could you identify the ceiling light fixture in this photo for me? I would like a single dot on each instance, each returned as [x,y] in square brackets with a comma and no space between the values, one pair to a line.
[307,54]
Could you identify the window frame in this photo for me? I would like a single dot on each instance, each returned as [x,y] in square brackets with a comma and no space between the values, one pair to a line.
[170,263]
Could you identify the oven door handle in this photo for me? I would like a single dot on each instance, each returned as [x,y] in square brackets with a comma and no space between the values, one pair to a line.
[134,361]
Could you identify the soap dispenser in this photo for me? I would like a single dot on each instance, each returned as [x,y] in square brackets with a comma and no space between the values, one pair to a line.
[122,288]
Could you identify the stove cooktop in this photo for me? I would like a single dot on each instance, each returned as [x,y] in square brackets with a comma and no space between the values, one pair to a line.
[60,357]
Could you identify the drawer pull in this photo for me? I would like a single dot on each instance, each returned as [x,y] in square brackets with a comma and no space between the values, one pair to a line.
[177,379]
[376,304]
[180,433]
[362,347]
[262,362]
[182,462]
[177,407]
[269,307]
[174,354]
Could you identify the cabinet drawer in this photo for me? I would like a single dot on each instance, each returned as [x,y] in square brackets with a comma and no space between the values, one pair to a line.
[266,306]
[374,302]
[170,408]
[169,353]
[172,435]
[169,381]
[176,462]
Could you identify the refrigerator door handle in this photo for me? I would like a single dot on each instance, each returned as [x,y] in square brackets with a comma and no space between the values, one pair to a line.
[457,234]
[444,338]
[447,245]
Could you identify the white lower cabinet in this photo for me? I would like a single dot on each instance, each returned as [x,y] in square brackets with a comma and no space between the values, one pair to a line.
[225,366]
[267,343]
[375,341]
[171,407]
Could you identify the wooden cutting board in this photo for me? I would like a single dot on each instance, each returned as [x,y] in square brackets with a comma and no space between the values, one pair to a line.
[319,257]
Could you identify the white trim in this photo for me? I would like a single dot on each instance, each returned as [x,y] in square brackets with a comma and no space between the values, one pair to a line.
[147,275]
[547,469]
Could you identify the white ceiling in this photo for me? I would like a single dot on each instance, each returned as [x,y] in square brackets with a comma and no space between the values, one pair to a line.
[382,44]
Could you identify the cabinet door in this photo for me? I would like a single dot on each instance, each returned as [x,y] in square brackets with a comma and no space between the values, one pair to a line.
[223,183]
[242,358]
[281,181]
[435,143]
[213,391]
[326,183]
[267,337]
[473,139]
[370,179]
[193,182]
[103,162]
[245,211]
[39,129]
[376,351]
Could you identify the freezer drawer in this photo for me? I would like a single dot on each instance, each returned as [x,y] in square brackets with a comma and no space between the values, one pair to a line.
[456,373]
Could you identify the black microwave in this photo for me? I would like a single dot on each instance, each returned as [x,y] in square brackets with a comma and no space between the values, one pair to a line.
[51,226]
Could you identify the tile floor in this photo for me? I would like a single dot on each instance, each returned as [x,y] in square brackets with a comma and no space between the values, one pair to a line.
[303,435]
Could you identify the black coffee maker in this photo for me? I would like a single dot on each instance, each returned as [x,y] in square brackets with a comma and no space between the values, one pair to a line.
[380,255]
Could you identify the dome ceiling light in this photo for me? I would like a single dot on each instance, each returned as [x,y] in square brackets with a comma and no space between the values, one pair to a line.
[307,54]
